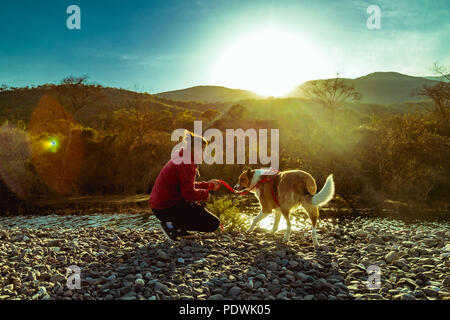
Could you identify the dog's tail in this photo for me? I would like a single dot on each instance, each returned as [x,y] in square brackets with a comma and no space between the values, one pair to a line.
[326,194]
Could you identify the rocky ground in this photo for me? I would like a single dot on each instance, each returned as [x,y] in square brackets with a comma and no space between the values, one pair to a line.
[129,264]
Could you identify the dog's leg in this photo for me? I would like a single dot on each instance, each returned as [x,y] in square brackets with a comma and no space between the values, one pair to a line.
[255,221]
[313,213]
[314,237]
[276,221]
[287,234]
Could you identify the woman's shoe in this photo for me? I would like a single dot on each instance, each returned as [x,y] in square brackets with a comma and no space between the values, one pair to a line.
[171,234]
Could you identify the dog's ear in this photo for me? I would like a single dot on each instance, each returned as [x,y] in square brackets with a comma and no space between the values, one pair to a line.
[248,170]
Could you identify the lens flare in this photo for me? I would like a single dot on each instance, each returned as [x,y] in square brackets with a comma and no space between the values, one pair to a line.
[57,149]
[51,145]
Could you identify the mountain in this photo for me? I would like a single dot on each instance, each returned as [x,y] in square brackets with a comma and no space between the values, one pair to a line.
[383,87]
[441,78]
[209,94]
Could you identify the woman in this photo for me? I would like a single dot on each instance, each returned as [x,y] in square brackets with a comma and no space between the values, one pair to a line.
[175,193]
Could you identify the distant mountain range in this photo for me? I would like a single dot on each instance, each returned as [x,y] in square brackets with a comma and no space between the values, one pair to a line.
[377,87]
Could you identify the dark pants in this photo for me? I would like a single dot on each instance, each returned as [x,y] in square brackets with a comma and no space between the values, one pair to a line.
[188,216]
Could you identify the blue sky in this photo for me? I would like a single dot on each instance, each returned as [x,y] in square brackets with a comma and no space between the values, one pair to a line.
[171,44]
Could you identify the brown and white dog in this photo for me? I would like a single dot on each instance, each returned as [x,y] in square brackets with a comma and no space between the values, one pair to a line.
[291,188]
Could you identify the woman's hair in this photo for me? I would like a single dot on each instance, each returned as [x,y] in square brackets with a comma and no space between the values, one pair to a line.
[193,137]
[190,136]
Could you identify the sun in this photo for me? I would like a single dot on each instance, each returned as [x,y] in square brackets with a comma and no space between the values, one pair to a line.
[268,62]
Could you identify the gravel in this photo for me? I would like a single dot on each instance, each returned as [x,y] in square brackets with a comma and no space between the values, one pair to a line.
[138,264]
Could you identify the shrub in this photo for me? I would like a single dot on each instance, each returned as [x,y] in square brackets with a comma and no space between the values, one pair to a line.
[228,213]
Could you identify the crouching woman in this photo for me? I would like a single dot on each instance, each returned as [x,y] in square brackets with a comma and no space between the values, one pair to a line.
[175,194]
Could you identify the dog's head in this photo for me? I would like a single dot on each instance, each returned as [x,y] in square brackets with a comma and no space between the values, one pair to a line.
[245,179]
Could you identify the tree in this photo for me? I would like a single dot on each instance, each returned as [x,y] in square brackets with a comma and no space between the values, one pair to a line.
[331,93]
[210,114]
[236,112]
[74,94]
[139,109]
[438,93]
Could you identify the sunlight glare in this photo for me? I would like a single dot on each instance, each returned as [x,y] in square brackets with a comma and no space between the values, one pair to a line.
[269,63]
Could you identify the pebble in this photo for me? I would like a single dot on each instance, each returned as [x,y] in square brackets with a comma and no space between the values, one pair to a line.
[163,255]
[161,287]
[142,265]
[272,266]
[139,282]
[234,291]
[376,240]
[391,257]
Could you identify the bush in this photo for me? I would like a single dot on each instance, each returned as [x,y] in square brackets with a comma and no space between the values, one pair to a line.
[228,213]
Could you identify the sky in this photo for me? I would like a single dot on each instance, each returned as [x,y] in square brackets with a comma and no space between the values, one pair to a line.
[259,45]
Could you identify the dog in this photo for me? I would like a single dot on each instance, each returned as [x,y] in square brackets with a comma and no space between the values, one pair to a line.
[282,192]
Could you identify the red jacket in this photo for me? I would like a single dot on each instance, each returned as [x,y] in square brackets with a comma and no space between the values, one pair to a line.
[176,182]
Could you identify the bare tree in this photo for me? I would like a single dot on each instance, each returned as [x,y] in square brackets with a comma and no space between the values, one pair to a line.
[438,93]
[139,108]
[442,70]
[331,93]
[74,94]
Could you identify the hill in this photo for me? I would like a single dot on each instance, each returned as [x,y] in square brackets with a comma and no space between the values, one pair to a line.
[19,103]
[209,94]
[383,87]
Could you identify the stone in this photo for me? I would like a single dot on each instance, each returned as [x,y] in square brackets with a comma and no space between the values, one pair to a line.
[42,291]
[321,284]
[446,281]
[391,257]
[52,243]
[272,266]
[161,287]
[111,277]
[139,282]
[125,269]
[234,291]
[430,292]
[407,296]
[376,240]
[430,242]
[304,277]
[148,275]
[162,255]
[58,278]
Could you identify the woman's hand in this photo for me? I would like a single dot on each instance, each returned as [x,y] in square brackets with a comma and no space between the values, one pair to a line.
[216,184]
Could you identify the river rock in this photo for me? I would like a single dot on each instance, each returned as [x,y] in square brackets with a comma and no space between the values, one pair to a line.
[391,257]
[234,291]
